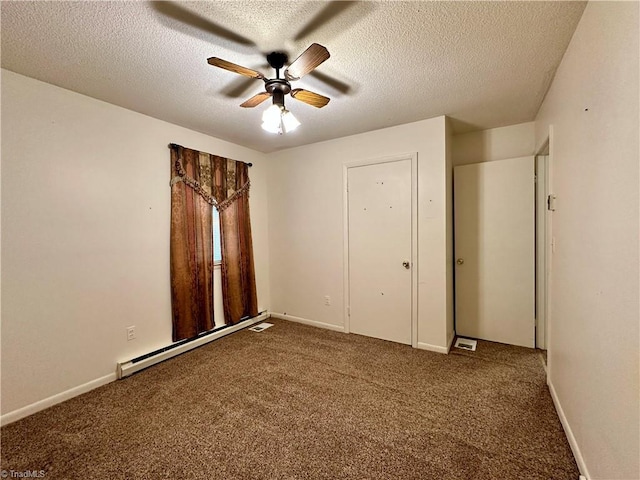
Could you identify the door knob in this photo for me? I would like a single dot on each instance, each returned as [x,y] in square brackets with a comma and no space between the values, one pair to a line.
[460,261]
[405,265]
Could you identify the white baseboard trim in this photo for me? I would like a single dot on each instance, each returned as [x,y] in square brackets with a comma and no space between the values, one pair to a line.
[433,348]
[124,369]
[570,437]
[40,405]
[306,321]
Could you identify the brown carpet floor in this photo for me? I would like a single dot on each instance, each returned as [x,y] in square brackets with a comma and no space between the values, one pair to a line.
[297,402]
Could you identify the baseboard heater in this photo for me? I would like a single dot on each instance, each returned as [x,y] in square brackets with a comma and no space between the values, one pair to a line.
[124,369]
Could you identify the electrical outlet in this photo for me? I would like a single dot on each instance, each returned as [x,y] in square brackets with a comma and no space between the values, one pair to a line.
[327,300]
[131,333]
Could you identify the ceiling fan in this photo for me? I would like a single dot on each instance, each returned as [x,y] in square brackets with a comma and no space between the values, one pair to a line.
[342,14]
[277,119]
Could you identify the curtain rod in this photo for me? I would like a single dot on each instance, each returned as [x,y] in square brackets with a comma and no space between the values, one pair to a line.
[175,145]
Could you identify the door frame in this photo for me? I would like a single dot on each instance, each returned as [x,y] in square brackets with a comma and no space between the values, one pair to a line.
[547,148]
[413,157]
[541,232]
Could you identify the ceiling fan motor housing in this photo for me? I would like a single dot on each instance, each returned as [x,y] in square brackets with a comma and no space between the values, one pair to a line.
[278,88]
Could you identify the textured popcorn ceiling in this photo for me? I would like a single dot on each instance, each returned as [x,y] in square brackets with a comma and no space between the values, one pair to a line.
[484,64]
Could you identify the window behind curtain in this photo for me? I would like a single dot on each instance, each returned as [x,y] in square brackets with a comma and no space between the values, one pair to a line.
[217,250]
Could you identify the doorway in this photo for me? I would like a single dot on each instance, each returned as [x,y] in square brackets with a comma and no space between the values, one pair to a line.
[380,248]
[495,251]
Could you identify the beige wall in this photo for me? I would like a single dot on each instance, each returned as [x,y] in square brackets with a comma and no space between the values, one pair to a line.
[494,144]
[592,108]
[306,224]
[85,232]
[85,236]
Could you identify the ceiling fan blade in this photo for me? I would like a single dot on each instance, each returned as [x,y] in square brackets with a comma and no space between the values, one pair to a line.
[310,59]
[256,100]
[311,98]
[186,18]
[232,67]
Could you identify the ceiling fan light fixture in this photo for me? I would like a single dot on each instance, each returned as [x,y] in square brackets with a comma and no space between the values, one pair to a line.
[272,119]
[272,114]
[272,128]
[289,121]
[277,119]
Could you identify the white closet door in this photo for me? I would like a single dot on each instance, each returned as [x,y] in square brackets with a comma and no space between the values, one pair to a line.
[379,209]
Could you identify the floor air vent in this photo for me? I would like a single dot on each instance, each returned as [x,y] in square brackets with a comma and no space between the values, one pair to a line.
[466,344]
[260,327]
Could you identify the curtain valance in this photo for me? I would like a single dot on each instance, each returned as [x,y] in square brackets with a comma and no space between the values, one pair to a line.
[217,180]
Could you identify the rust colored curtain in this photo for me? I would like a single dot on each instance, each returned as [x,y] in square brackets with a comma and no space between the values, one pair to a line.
[200,182]
[238,273]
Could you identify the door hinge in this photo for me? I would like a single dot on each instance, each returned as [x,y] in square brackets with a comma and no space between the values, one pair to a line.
[551,203]
[348,311]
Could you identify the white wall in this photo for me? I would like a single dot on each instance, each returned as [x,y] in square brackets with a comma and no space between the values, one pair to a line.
[494,144]
[592,107]
[85,236]
[306,224]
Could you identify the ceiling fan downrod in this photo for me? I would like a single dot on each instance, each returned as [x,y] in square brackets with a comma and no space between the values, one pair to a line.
[277,61]
[277,87]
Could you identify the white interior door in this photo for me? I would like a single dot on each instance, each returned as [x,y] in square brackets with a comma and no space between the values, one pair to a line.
[379,236]
[494,245]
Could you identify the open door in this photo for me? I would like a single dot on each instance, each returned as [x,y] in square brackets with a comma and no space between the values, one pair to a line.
[494,222]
